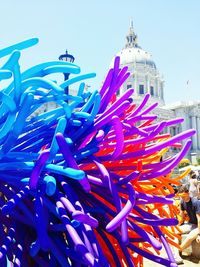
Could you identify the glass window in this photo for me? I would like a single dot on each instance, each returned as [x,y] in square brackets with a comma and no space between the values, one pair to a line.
[141,89]
[129,86]
[151,90]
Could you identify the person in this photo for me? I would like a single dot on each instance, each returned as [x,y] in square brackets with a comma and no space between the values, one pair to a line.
[192,206]
[198,184]
[193,183]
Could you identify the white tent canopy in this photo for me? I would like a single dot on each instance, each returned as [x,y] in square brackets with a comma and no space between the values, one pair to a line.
[193,168]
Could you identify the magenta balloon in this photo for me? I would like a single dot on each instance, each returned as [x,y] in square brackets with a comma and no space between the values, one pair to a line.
[121,74]
[145,235]
[152,199]
[117,220]
[96,180]
[170,166]
[117,79]
[112,88]
[103,171]
[168,123]
[135,130]
[124,232]
[100,135]
[148,137]
[158,222]
[85,218]
[128,178]
[119,136]
[149,256]
[123,79]
[168,249]
[118,111]
[79,245]
[106,83]
[142,118]
[159,146]
[67,203]
[140,107]
[124,97]
[150,108]
[158,165]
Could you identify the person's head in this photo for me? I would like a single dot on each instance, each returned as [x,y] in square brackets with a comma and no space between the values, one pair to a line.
[191,173]
[183,192]
[175,189]
[193,176]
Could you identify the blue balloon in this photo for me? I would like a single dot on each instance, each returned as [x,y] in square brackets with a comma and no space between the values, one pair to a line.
[68,198]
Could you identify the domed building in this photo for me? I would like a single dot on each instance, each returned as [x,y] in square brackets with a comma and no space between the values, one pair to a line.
[145,78]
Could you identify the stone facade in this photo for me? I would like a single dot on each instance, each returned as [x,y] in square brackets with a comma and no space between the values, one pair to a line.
[145,78]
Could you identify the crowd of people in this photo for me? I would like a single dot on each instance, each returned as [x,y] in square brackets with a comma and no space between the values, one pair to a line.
[194,184]
[189,195]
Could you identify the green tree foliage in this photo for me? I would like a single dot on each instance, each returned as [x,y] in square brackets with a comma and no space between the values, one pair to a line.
[198,160]
[184,164]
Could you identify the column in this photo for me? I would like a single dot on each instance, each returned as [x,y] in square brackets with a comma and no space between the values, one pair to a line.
[184,123]
[161,93]
[156,87]
[135,84]
[198,132]
[147,84]
[194,137]
[175,130]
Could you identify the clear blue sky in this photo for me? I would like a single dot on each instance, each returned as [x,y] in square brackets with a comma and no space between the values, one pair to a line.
[94,31]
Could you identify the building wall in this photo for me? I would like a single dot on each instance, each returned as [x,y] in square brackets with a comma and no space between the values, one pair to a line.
[144,72]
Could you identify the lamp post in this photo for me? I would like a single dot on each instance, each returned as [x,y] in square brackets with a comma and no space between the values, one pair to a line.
[69,58]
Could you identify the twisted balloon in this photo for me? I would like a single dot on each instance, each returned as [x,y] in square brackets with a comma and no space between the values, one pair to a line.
[86,183]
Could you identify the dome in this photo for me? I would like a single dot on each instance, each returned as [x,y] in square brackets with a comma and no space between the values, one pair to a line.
[130,55]
[133,53]
[144,75]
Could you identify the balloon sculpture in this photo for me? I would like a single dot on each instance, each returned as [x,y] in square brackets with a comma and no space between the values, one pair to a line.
[87,183]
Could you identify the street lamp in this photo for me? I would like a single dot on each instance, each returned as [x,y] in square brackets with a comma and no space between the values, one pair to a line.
[69,58]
